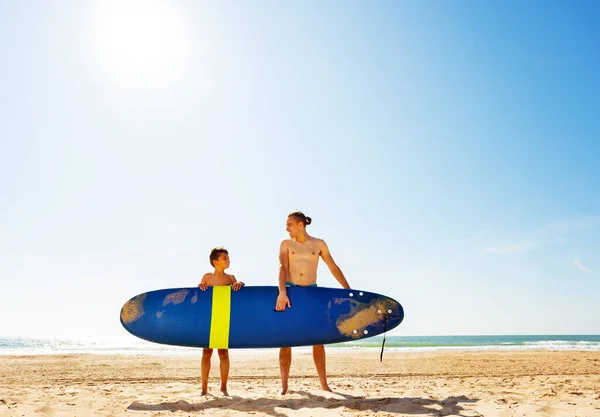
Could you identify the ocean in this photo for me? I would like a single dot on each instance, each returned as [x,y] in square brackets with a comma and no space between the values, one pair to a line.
[132,345]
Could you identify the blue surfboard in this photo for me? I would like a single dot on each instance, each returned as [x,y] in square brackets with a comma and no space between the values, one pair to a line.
[226,319]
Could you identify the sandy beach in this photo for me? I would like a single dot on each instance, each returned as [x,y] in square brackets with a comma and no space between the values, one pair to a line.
[508,383]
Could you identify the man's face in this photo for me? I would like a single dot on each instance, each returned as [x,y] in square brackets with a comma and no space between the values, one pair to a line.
[292,227]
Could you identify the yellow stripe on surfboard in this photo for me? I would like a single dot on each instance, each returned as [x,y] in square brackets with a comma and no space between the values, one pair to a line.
[220,316]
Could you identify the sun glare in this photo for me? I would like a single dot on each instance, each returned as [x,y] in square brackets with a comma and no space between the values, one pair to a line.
[139,44]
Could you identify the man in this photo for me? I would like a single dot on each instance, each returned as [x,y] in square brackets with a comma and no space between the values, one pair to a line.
[299,259]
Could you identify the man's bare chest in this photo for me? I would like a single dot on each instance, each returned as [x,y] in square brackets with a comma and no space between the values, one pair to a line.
[303,251]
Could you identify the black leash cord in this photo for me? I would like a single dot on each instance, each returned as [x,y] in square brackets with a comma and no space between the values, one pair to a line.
[384,331]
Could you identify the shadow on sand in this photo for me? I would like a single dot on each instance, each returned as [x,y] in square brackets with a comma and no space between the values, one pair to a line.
[391,405]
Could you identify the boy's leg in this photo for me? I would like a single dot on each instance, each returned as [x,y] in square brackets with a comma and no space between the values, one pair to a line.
[285,362]
[205,369]
[224,366]
[319,358]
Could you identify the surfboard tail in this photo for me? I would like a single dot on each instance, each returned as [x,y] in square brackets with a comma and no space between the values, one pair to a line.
[369,315]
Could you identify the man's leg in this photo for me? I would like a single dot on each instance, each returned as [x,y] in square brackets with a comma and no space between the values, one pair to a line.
[319,357]
[285,362]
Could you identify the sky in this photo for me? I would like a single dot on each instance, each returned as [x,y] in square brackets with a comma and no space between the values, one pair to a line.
[447,152]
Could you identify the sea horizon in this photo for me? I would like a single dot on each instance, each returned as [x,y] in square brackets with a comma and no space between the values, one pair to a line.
[27,345]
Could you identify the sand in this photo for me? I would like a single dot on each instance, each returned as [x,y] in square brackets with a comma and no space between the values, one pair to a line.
[463,383]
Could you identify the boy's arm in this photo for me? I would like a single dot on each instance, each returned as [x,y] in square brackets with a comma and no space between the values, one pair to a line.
[284,269]
[335,270]
[204,283]
[235,285]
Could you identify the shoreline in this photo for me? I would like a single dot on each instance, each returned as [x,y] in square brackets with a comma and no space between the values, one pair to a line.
[482,343]
[499,383]
[301,349]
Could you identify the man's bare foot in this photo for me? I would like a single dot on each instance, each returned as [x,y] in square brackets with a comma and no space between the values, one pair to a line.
[204,392]
[224,392]
[326,388]
[284,389]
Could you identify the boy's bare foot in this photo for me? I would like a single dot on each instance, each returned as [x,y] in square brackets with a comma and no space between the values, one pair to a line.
[224,392]
[204,392]
[284,389]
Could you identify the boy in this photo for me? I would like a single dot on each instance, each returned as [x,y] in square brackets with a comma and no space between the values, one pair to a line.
[219,259]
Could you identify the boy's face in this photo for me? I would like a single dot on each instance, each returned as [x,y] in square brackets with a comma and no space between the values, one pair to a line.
[223,261]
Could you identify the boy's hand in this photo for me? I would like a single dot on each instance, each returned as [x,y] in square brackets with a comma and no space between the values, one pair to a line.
[237,285]
[203,286]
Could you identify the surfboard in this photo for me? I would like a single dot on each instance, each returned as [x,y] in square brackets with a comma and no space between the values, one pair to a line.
[225,319]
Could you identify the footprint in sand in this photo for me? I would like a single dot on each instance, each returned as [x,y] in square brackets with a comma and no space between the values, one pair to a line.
[414,393]
[548,410]
[46,410]
[489,410]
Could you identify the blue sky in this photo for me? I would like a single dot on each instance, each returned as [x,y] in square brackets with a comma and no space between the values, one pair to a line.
[446,151]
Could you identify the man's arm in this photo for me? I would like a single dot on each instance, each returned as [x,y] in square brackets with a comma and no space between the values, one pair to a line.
[335,270]
[284,266]
[284,270]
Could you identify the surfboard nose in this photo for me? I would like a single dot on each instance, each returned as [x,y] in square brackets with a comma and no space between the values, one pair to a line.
[132,310]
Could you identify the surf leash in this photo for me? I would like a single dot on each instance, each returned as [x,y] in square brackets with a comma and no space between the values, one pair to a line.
[380,366]
[384,331]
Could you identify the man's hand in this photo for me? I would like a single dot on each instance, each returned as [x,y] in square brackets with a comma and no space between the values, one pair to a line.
[203,286]
[237,285]
[282,301]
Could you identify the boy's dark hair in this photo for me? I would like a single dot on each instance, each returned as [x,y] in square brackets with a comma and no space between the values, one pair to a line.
[215,253]
[301,218]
